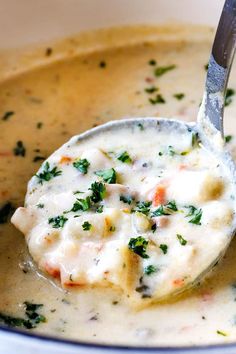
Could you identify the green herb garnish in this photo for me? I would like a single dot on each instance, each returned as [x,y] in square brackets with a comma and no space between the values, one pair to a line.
[47,174]
[179,96]
[182,241]
[32,314]
[164,248]
[139,246]
[142,207]
[228,96]
[170,150]
[124,157]
[19,149]
[33,318]
[98,191]
[221,333]
[158,99]
[195,213]
[150,269]
[99,210]
[40,206]
[81,204]
[102,64]
[127,199]
[141,127]
[151,89]
[108,176]
[58,221]
[39,125]
[82,165]
[152,62]
[7,115]
[228,138]
[161,70]
[166,209]
[86,226]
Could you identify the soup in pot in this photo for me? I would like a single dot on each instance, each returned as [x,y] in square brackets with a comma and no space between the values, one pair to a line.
[48,95]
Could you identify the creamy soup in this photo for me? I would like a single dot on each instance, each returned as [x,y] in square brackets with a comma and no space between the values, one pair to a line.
[127,72]
[147,218]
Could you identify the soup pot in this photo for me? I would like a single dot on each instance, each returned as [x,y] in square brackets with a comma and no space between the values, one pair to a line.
[27,22]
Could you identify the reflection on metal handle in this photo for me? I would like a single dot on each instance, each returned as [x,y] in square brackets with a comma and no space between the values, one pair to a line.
[220,64]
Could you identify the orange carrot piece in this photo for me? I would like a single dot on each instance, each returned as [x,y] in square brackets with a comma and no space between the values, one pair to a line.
[54,272]
[178,282]
[65,159]
[159,195]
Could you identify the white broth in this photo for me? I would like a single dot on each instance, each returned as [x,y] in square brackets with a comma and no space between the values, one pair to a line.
[40,110]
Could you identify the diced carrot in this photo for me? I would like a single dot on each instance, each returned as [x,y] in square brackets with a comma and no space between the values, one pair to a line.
[159,195]
[73,284]
[54,272]
[65,159]
[178,282]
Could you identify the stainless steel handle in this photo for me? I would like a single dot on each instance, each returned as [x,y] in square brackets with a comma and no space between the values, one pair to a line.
[219,66]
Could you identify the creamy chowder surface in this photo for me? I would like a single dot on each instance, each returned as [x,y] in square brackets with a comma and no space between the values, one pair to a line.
[153,72]
[144,208]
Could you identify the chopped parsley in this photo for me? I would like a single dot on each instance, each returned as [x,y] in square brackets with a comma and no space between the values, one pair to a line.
[112,228]
[206,66]
[164,248]
[195,213]
[139,246]
[86,226]
[108,176]
[124,157]
[179,96]
[40,206]
[166,209]
[5,212]
[195,139]
[141,127]
[81,204]
[99,210]
[142,207]
[7,115]
[82,165]
[228,138]
[102,64]
[221,333]
[161,70]
[158,99]
[127,199]
[182,241]
[47,174]
[19,149]
[150,269]
[170,150]
[32,314]
[152,62]
[39,125]
[228,96]
[33,318]
[58,221]
[98,191]
[151,89]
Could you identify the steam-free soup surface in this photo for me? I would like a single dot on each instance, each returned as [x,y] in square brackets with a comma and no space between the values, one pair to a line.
[40,110]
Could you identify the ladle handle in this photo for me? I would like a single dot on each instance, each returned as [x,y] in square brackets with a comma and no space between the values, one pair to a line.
[219,67]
